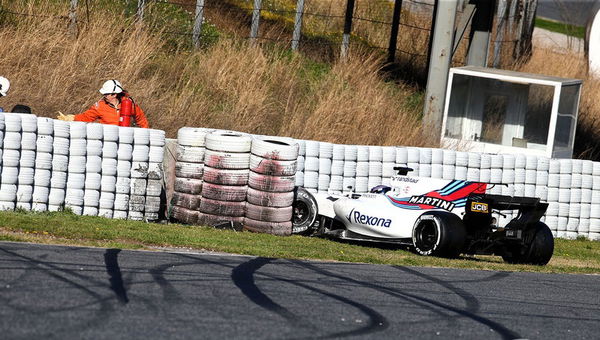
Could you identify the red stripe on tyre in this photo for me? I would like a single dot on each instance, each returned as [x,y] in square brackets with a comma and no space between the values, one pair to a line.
[226,177]
[222,208]
[268,214]
[271,183]
[270,199]
[224,192]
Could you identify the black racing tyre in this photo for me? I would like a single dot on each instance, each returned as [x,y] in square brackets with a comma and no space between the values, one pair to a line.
[304,211]
[537,252]
[439,233]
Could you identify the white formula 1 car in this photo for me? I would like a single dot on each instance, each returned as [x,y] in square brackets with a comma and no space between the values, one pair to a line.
[434,216]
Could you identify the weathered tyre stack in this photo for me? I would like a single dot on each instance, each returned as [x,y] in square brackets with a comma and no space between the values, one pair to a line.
[10,161]
[93,169]
[189,169]
[26,161]
[139,173]
[74,196]
[271,185]
[108,179]
[43,164]
[155,175]
[60,165]
[225,180]
[123,172]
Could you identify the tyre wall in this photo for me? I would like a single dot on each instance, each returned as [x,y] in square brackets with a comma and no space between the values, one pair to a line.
[93,169]
[571,187]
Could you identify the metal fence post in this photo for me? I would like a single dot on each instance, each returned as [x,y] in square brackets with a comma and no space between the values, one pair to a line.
[501,17]
[298,25]
[394,32]
[255,21]
[198,23]
[479,37]
[439,65]
[73,18]
[347,28]
[140,10]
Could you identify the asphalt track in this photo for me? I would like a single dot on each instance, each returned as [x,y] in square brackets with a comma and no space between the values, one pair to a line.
[93,293]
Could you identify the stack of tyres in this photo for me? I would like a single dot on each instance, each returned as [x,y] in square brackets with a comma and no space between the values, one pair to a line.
[594,227]
[389,162]
[154,187]
[271,185]
[336,183]
[375,166]
[300,162]
[325,160]
[60,165]
[311,165]
[349,171]
[43,164]
[362,169]
[139,173]
[93,169]
[122,170]
[74,197]
[225,180]
[189,169]
[11,155]
[27,161]
[108,179]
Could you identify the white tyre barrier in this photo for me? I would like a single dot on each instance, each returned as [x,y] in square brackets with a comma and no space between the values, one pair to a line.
[11,158]
[325,150]
[473,174]
[449,171]
[541,192]
[152,205]
[155,170]
[350,169]
[123,186]
[110,133]
[337,167]
[58,179]
[375,169]
[520,161]
[348,184]
[189,136]
[576,180]
[77,130]
[157,137]
[301,147]
[437,171]
[136,204]
[134,215]
[274,228]
[28,158]
[564,194]
[563,209]
[350,153]
[140,153]
[45,126]
[362,169]
[361,184]
[486,161]
[12,140]
[285,149]
[565,166]
[323,182]
[311,164]
[311,179]
[56,196]
[485,175]
[228,193]
[553,194]
[529,190]
[60,146]
[565,181]
[449,157]
[188,186]
[312,148]
[554,166]
[124,152]
[575,195]
[94,147]
[508,161]
[576,166]
[543,164]
[373,181]
[520,175]
[9,175]
[61,129]
[413,155]
[77,147]
[268,214]
[271,183]
[338,152]
[154,187]
[26,176]
[270,199]
[299,179]
[28,123]
[587,167]
[228,141]
[387,170]
[108,149]
[138,169]
[123,169]
[541,178]
[553,180]
[93,164]
[587,181]
[76,164]
[91,198]
[225,177]
[191,202]
[508,176]
[474,160]
[189,170]
[121,202]
[336,184]
[388,154]
[222,208]
[273,166]
[8,192]
[44,143]
[437,156]
[95,131]
[401,155]
[138,186]
[39,207]
[141,136]
[586,195]
[300,163]
[460,172]
[42,177]
[12,123]
[92,181]
[126,135]
[106,213]
[375,154]
[224,160]
[156,154]
[74,197]
[324,166]
[462,159]
[496,161]
[519,190]
[107,200]
[425,170]
[362,153]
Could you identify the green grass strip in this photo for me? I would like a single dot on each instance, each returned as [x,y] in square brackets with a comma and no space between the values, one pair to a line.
[577,256]
[570,30]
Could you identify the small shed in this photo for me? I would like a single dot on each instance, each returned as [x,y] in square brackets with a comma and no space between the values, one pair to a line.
[499,111]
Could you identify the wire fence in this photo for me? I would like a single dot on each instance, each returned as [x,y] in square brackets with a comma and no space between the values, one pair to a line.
[328,27]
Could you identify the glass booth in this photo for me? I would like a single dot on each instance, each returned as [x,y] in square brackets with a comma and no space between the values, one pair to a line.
[499,111]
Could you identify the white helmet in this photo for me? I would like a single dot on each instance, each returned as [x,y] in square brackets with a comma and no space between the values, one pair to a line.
[4,86]
[111,86]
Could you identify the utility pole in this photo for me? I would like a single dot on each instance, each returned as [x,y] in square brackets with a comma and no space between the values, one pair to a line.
[255,21]
[347,28]
[439,65]
[479,37]
[198,23]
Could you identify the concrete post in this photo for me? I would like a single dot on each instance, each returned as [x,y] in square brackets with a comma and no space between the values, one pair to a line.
[439,65]
[198,23]
[298,25]
[73,18]
[255,21]
[479,37]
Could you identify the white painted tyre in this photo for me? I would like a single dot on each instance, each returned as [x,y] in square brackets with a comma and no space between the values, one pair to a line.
[349,169]
[26,176]
[125,135]
[323,182]
[156,154]
[24,193]
[44,143]
[189,170]
[188,186]
[123,169]
[152,205]
[388,154]
[77,130]
[362,169]
[362,153]
[268,214]
[311,164]
[155,170]
[121,202]
[222,208]
[60,146]
[136,205]
[140,153]
[75,180]
[28,141]
[191,202]
[9,175]
[93,164]
[107,200]
[338,152]
[74,197]
[224,160]
[312,148]
[190,154]
[42,177]
[189,136]
[122,186]
[154,187]
[92,181]
[139,169]
[271,183]
[110,133]
[225,177]
[274,228]
[108,149]
[106,213]
[138,186]
[8,192]
[228,141]
[157,138]
[141,136]
[270,199]
[273,167]
[401,155]
[325,150]
[95,131]
[337,167]
[350,153]
[232,193]
[77,164]
[28,122]
[311,179]
[45,126]
[12,140]
[280,148]
[91,198]
[125,152]
[12,123]
[58,179]
[324,166]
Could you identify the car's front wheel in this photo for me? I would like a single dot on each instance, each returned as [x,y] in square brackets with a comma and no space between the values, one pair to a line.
[438,233]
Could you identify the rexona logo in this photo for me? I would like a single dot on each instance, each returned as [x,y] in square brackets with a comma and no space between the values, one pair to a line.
[356,217]
[432,201]
[479,207]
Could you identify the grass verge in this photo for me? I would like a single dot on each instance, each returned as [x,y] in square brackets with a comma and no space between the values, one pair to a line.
[554,26]
[576,256]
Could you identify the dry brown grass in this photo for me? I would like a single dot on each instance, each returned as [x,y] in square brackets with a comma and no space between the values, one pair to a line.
[230,85]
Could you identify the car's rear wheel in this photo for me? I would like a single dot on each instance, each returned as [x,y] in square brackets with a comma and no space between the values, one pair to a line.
[438,233]
[537,252]
[304,211]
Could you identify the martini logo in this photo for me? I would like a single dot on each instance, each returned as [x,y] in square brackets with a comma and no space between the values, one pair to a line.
[356,217]
[432,201]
